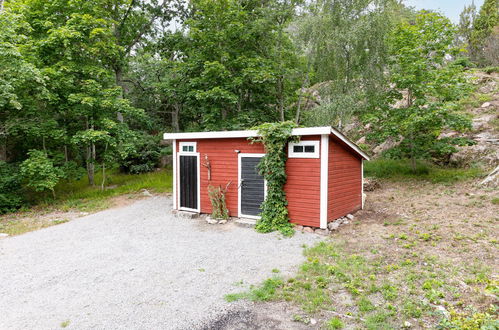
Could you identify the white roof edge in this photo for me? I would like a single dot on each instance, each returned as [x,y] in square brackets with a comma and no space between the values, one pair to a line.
[241,134]
[352,145]
[252,133]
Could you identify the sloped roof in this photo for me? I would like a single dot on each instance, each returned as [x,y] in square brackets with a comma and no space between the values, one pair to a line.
[303,131]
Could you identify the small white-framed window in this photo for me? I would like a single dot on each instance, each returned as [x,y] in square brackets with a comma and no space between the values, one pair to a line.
[303,149]
[187,147]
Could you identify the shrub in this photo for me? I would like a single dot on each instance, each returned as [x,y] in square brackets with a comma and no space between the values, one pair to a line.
[10,193]
[39,172]
[145,155]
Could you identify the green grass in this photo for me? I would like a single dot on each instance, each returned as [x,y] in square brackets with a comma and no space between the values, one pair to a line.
[78,194]
[402,169]
[264,292]
[335,323]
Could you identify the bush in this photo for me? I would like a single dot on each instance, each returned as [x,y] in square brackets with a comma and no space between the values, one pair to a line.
[10,193]
[145,157]
[39,172]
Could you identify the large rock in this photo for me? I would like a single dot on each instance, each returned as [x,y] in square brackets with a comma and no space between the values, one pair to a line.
[334,225]
[387,145]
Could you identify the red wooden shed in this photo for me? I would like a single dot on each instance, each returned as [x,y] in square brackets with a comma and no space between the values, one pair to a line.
[324,173]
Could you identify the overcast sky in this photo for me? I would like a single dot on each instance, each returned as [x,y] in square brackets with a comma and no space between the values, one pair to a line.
[450,8]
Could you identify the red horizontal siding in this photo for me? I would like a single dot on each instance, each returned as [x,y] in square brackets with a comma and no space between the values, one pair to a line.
[344,180]
[302,187]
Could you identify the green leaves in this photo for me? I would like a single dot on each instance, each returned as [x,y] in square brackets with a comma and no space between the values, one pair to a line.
[274,137]
[39,172]
[427,83]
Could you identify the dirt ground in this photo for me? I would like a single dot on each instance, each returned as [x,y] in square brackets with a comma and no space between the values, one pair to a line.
[444,236]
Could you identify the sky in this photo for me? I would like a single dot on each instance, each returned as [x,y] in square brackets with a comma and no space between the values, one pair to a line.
[450,8]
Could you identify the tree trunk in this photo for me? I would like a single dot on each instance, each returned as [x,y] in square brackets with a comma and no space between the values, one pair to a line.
[1,5]
[103,184]
[303,85]
[175,117]
[118,72]
[66,158]
[3,150]
[280,96]
[90,164]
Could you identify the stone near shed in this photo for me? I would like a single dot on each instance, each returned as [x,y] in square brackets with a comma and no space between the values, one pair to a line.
[146,193]
[350,217]
[308,230]
[313,321]
[346,222]
[211,221]
[3,235]
[333,225]
[222,222]
[323,232]
[407,324]
[300,228]
[486,105]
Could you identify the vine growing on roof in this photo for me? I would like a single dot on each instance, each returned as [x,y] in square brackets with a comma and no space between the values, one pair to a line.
[272,167]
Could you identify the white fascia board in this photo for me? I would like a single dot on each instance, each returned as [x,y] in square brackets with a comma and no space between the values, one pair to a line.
[242,134]
[349,143]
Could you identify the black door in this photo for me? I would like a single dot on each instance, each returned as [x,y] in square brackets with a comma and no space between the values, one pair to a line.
[252,186]
[188,182]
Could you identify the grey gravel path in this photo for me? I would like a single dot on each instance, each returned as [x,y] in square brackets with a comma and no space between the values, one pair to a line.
[135,267]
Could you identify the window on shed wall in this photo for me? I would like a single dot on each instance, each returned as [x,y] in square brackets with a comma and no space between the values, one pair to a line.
[188,147]
[303,149]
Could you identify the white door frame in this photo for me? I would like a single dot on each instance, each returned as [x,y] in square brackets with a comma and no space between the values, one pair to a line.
[239,186]
[196,154]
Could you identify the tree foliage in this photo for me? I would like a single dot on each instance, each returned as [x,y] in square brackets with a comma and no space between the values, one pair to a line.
[428,82]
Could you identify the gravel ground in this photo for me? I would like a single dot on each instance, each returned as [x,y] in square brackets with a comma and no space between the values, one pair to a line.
[136,267]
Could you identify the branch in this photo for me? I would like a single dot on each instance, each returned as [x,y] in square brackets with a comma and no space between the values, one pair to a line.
[126,15]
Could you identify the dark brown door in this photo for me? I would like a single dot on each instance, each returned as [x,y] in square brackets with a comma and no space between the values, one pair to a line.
[188,182]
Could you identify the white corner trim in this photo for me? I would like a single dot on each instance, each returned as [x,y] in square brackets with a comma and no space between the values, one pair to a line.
[362,184]
[349,143]
[315,154]
[174,174]
[324,180]
[239,190]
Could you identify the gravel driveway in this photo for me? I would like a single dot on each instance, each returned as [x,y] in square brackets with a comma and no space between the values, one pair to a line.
[135,267]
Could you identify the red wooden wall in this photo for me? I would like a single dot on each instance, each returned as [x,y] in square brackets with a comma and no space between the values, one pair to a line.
[344,181]
[303,188]
[303,185]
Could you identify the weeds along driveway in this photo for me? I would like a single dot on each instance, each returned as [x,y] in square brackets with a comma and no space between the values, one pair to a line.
[135,267]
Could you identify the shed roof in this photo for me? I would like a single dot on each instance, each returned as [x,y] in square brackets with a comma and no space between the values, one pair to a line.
[254,133]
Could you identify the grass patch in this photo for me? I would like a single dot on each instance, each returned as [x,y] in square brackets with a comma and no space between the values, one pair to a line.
[335,323]
[402,169]
[79,196]
[264,292]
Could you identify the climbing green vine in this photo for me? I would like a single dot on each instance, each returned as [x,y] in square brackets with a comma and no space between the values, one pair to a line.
[274,215]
